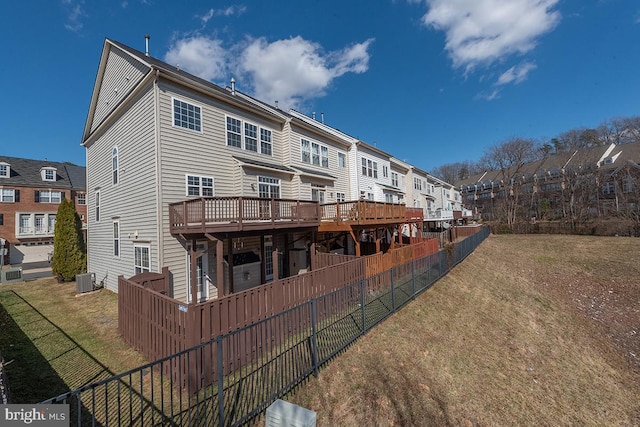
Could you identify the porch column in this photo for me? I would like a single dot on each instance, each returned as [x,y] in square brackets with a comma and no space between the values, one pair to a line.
[229,286]
[263,274]
[220,268]
[378,238]
[193,257]
[276,264]
[356,241]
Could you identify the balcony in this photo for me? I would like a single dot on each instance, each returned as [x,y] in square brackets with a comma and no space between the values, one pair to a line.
[439,215]
[343,215]
[234,214]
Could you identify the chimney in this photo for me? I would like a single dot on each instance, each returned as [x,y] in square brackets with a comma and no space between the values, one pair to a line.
[146,42]
[233,86]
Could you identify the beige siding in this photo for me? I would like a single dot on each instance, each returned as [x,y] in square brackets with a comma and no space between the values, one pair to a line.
[121,74]
[204,153]
[340,184]
[131,201]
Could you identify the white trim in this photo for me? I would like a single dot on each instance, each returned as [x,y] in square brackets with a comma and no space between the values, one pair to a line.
[173,117]
[115,168]
[117,238]
[243,136]
[200,187]
[143,246]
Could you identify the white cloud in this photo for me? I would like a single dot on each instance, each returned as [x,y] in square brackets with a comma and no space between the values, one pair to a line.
[199,55]
[516,74]
[294,70]
[229,11]
[75,14]
[290,71]
[480,32]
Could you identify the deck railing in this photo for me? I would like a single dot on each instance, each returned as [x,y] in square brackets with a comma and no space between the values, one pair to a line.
[240,213]
[363,212]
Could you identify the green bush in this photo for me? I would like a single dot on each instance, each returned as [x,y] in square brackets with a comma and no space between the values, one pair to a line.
[69,256]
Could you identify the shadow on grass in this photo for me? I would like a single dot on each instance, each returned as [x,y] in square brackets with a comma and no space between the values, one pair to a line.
[37,353]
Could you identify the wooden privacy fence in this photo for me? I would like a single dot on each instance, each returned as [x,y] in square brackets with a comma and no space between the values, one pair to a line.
[160,326]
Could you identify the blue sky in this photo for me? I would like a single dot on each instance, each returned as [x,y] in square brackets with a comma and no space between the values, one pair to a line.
[429,81]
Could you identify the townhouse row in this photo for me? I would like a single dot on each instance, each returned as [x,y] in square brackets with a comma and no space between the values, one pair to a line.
[30,193]
[593,182]
[226,190]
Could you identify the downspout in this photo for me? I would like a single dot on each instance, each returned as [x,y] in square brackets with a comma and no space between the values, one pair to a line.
[159,225]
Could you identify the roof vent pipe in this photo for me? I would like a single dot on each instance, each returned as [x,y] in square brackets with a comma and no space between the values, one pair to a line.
[277,108]
[233,86]
[322,117]
[313,115]
[146,42]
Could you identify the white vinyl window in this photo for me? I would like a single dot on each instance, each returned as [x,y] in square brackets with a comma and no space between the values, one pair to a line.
[341,197]
[342,160]
[116,238]
[369,168]
[97,206]
[186,115]
[5,170]
[48,196]
[114,164]
[324,156]
[142,259]
[305,148]
[234,135]
[48,174]
[385,171]
[317,193]
[250,137]
[268,188]
[265,141]
[394,179]
[81,198]
[201,186]
[8,195]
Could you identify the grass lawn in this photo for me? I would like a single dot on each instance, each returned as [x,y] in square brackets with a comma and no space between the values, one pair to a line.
[54,341]
[529,330]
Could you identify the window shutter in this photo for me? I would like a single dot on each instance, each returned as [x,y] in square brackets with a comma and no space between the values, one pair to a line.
[62,195]
[1,222]
[16,195]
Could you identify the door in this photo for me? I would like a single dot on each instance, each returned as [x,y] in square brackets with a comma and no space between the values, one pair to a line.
[202,272]
[268,258]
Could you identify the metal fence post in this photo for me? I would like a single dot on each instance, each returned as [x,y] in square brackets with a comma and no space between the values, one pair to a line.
[393,292]
[413,278]
[362,304]
[314,342]
[220,383]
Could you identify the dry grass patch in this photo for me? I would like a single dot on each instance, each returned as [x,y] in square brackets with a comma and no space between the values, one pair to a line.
[509,337]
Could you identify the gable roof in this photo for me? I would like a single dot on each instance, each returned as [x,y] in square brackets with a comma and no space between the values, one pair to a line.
[158,68]
[26,173]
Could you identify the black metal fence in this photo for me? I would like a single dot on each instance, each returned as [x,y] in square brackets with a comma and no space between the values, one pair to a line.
[253,366]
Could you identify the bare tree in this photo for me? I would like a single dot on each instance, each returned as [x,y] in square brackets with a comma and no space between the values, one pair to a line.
[454,172]
[509,159]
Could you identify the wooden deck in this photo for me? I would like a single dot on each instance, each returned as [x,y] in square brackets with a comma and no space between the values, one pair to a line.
[344,216]
[235,214]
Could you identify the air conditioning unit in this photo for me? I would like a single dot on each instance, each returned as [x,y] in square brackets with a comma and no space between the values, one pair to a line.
[85,282]
[281,414]
[11,274]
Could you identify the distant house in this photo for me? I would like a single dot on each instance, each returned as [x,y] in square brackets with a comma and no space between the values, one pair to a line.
[30,192]
[592,182]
